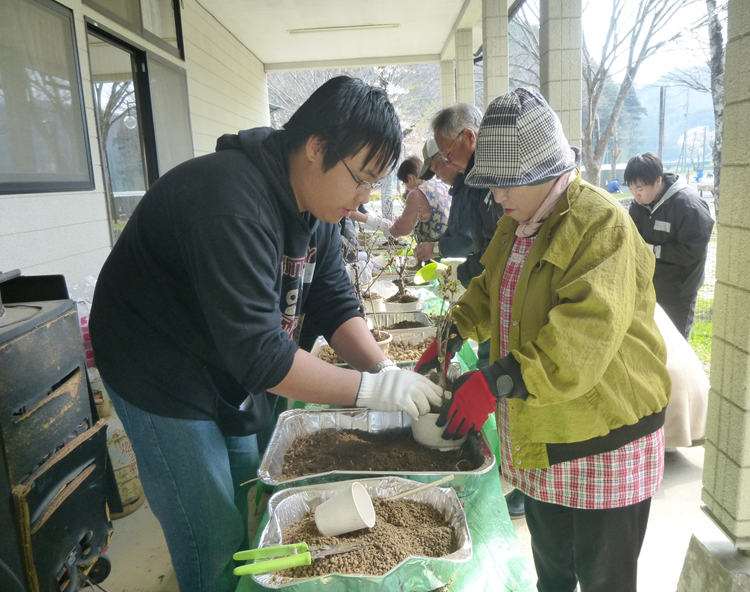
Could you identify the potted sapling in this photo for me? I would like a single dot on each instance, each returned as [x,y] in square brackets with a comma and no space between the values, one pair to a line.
[402,300]
[360,267]
[448,287]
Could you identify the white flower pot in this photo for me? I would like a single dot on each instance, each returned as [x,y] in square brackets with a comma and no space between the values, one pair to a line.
[384,344]
[427,434]
[374,305]
[408,307]
[347,511]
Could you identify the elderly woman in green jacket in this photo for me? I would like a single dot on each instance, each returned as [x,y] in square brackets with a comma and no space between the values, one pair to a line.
[579,381]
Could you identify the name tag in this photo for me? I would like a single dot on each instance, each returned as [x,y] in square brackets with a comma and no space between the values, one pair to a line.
[661,225]
[309,273]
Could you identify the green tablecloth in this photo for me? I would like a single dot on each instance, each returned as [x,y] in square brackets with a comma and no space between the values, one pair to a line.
[498,563]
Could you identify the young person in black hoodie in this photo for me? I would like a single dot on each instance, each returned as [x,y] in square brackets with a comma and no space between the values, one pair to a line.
[676,223]
[196,308]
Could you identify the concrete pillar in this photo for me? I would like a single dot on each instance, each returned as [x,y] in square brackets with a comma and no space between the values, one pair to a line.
[560,43]
[714,566]
[726,471]
[494,48]
[447,83]
[464,66]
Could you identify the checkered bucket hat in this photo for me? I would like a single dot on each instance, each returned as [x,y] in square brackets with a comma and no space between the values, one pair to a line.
[520,142]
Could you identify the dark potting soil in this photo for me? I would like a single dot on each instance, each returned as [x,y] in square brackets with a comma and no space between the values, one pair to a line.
[402,528]
[402,299]
[357,450]
[405,325]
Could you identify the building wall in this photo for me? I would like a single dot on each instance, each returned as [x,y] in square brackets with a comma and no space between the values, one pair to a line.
[726,470]
[68,233]
[226,83]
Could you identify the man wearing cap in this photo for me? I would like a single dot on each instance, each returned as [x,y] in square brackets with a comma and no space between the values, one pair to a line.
[455,128]
[578,380]
[456,241]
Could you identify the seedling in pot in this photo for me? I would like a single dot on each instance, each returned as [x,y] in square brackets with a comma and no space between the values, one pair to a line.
[448,288]
[350,253]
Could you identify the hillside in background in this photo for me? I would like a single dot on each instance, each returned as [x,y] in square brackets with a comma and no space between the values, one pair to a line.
[700,112]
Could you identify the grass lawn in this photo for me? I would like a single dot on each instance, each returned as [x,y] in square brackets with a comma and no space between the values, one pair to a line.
[702,331]
[700,340]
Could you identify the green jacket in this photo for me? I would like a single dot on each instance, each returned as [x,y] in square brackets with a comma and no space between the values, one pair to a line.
[582,328]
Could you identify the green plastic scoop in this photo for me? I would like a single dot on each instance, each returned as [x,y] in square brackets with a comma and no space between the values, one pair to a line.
[288,556]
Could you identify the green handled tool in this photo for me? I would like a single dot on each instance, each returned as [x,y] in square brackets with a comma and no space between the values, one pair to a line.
[288,556]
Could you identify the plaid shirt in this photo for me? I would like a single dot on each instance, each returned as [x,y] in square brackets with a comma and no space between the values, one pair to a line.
[614,479]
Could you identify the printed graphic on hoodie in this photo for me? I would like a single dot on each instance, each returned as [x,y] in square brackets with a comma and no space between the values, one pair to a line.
[295,273]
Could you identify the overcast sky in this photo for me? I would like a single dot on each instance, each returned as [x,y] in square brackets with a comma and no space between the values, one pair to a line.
[683,54]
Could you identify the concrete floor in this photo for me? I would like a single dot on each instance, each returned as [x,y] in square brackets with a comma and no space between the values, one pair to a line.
[141,563]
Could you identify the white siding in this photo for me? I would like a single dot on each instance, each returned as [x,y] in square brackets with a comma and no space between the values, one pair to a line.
[68,233]
[226,82]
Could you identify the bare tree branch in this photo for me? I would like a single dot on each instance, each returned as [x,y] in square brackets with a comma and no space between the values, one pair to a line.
[633,36]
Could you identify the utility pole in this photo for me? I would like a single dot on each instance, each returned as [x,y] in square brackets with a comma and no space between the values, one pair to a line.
[662,109]
[685,139]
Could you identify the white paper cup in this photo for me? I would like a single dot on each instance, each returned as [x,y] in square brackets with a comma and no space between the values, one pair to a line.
[347,511]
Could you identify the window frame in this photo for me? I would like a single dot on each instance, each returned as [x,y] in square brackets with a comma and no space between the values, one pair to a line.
[52,186]
[151,56]
[145,34]
[143,94]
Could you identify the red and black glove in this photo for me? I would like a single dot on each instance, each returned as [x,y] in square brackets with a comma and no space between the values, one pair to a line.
[429,359]
[475,396]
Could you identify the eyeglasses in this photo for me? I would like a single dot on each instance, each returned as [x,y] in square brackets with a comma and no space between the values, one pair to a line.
[446,155]
[361,185]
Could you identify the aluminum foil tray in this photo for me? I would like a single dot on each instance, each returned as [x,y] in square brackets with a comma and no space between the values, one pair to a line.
[408,335]
[416,574]
[413,336]
[301,422]
[390,318]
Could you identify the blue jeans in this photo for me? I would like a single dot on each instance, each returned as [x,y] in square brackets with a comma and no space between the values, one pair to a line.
[191,474]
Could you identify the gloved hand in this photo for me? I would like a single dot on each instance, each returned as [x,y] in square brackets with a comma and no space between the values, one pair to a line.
[368,260]
[429,359]
[375,223]
[475,396]
[398,390]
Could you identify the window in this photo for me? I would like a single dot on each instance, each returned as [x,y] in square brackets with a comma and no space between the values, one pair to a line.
[169,103]
[157,21]
[43,136]
[142,114]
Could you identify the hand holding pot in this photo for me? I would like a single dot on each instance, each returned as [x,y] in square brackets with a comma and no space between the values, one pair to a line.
[398,390]
[475,396]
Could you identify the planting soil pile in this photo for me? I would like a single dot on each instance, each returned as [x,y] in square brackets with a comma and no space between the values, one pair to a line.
[328,355]
[403,528]
[397,351]
[402,299]
[405,325]
[405,352]
[357,450]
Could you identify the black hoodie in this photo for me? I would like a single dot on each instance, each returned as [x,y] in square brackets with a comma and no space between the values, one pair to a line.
[679,225]
[196,305]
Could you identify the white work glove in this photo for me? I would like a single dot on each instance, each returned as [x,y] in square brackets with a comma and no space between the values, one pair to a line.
[398,390]
[367,258]
[375,223]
